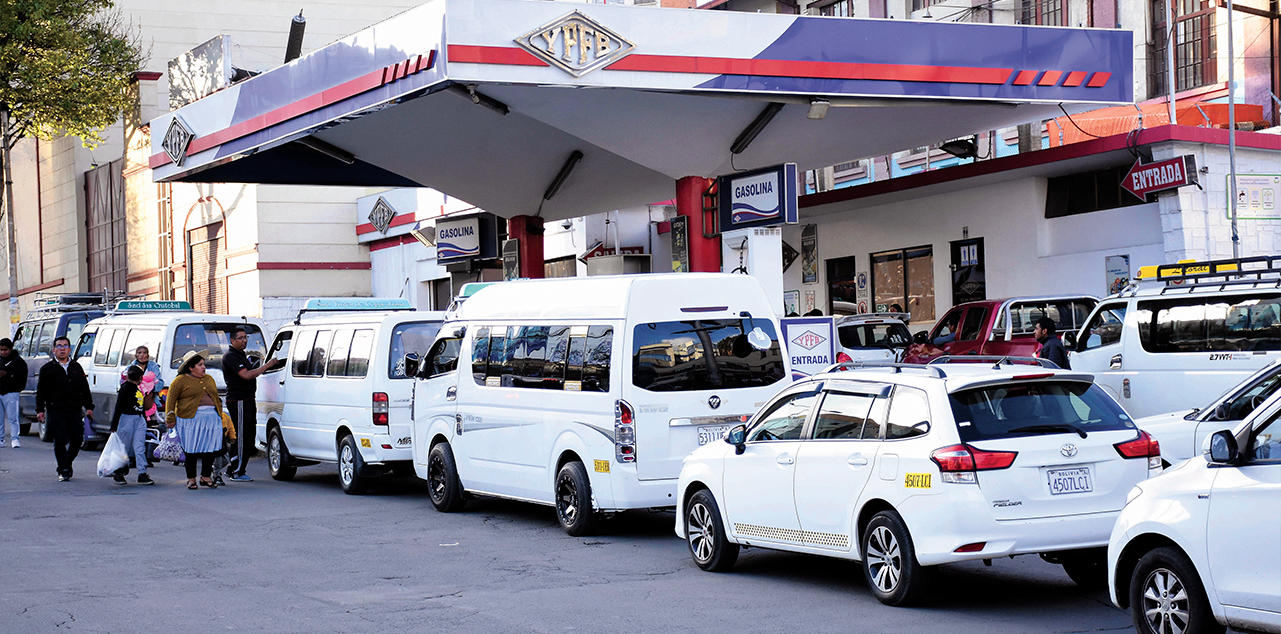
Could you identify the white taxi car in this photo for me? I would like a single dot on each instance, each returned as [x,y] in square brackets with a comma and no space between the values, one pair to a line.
[873,337]
[1199,548]
[908,467]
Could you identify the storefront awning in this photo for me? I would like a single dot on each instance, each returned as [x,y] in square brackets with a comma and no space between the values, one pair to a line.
[487,99]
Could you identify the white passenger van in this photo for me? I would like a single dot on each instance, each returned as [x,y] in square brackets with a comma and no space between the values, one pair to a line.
[169,329]
[587,394]
[1184,334]
[343,395]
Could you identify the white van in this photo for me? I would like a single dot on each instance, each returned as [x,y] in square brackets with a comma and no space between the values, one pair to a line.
[343,395]
[169,329]
[1184,334]
[587,393]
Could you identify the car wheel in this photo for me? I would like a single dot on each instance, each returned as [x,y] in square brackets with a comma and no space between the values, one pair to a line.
[889,562]
[1088,571]
[350,464]
[24,429]
[43,432]
[442,479]
[1166,596]
[278,460]
[705,534]
[574,500]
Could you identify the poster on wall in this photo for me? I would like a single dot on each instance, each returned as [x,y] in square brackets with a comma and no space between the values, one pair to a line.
[511,259]
[810,344]
[809,254]
[1257,196]
[862,291]
[809,301]
[1117,273]
[680,244]
[791,302]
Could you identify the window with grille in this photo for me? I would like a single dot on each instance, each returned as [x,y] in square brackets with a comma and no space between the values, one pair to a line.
[1195,46]
[105,192]
[1044,12]
[207,268]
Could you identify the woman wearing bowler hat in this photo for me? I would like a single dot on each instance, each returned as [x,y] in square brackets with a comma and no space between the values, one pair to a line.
[194,408]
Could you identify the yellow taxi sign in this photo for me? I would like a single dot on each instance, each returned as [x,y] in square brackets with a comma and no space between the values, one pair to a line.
[1184,268]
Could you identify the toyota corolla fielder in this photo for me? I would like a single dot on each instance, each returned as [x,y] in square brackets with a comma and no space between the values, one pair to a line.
[908,467]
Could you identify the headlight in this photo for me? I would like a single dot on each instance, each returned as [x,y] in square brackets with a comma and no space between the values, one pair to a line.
[1133,495]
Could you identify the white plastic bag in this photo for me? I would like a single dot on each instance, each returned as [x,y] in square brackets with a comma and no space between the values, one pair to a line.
[114,457]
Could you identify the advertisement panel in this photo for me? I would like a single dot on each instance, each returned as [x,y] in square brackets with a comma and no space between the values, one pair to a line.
[811,344]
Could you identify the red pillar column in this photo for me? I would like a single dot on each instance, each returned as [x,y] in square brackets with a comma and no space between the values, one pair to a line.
[704,253]
[529,231]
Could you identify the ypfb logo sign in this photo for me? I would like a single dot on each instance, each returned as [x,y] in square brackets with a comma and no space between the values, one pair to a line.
[458,239]
[576,44]
[809,344]
[809,340]
[761,197]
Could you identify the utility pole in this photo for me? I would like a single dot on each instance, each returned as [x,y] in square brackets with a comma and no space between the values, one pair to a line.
[1169,60]
[1232,136]
[10,243]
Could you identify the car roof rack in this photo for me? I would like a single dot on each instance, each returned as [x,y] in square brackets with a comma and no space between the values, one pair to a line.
[48,304]
[875,365]
[996,359]
[1260,271]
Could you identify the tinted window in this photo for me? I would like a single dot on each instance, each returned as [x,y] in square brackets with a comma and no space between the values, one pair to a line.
[1031,409]
[411,337]
[681,356]
[1105,328]
[1068,315]
[103,346]
[85,348]
[785,419]
[596,362]
[362,344]
[280,349]
[211,340]
[945,331]
[319,351]
[1218,324]
[21,338]
[497,356]
[843,416]
[883,335]
[46,338]
[338,352]
[139,337]
[302,352]
[909,408]
[75,326]
[117,344]
[557,351]
[443,357]
[480,355]
[975,317]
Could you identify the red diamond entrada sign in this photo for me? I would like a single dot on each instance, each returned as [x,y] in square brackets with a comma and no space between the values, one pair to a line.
[809,340]
[1149,178]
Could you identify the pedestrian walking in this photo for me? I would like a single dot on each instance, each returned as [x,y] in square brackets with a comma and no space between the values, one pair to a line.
[13,380]
[129,424]
[62,392]
[193,407]
[241,374]
[1051,348]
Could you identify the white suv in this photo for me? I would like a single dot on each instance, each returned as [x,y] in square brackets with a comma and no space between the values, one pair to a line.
[1199,547]
[908,467]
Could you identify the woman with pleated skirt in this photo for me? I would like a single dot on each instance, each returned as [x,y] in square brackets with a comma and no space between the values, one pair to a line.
[194,409]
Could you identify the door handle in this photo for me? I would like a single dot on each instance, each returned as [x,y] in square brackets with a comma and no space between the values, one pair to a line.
[282,381]
[451,393]
[785,459]
[1115,364]
[857,460]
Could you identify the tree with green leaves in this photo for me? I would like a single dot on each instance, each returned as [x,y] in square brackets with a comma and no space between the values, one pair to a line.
[64,69]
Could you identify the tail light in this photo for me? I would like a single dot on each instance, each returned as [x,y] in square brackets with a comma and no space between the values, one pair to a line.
[624,432]
[959,464]
[1145,446]
[381,408]
[841,357]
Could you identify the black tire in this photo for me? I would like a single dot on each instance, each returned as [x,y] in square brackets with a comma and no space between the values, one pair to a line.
[350,464]
[1088,571]
[573,496]
[705,534]
[1154,612]
[889,562]
[24,429]
[279,462]
[442,479]
[43,432]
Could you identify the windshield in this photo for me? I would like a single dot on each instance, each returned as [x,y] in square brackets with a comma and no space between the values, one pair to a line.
[212,340]
[1029,409]
[406,338]
[684,356]
[1241,401]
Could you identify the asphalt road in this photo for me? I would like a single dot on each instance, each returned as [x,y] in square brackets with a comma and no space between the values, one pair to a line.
[90,556]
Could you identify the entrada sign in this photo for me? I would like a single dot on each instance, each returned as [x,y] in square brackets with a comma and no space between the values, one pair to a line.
[576,44]
[1144,179]
[758,198]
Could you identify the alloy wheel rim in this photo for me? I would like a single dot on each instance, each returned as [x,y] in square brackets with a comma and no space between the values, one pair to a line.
[273,453]
[884,559]
[1165,602]
[702,532]
[436,478]
[567,501]
[346,465]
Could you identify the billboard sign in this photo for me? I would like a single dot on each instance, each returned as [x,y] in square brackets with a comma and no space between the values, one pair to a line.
[758,198]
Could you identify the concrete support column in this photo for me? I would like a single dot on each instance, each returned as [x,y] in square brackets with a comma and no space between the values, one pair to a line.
[529,231]
[704,253]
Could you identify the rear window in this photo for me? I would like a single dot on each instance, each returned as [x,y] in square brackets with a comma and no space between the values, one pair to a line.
[884,335]
[1032,409]
[1218,324]
[414,337]
[1067,315]
[211,341]
[685,356]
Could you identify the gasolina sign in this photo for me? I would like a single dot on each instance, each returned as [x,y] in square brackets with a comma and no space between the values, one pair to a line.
[758,198]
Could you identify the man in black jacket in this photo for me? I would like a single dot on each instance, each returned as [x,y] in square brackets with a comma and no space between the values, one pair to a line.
[61,391]
[1051,348]
[13,379]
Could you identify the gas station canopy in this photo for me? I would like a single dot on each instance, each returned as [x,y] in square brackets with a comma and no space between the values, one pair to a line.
[488,100]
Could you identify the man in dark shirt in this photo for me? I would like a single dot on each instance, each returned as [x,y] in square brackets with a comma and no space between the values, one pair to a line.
[61,391]
[241,375]
[1051,348]
[13,379]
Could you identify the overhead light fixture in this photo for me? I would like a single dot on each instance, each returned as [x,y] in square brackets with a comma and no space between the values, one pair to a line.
[966,147]
[425,234]
[469,93]
[754,128]
[332,151]
[818,108]
[565,169]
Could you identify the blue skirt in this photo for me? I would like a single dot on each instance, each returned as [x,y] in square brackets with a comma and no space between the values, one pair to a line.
[202,434]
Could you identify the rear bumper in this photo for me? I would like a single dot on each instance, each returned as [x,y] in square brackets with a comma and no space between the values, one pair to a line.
[628,492]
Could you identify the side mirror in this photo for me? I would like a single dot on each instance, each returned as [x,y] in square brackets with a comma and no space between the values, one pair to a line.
[920,338]
[737,436]
[1222,412]
[1069,340]
[1223,447]
[412,361]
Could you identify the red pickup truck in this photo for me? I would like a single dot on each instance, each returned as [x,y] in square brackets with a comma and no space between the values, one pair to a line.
[998,327]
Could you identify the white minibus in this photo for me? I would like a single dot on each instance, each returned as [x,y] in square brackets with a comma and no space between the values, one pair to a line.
[1179,338]
[586,394]
[343,396]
